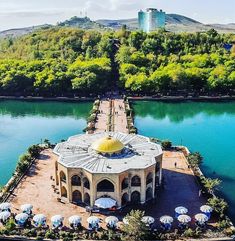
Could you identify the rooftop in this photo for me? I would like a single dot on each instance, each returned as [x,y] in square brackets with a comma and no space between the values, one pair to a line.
[100,153]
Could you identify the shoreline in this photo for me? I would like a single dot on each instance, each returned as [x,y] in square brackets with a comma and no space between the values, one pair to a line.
[131,98]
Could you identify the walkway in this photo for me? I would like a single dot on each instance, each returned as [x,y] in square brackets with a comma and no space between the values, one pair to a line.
[117,121]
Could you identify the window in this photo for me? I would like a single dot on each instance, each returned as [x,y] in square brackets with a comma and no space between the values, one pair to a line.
[125,183]
[62,176]
[86,183]
[135,181]
[75,180]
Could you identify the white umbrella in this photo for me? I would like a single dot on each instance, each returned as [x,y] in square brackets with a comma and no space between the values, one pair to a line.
[93,219]
[39,218]
[26,207]
[57,219]
[184,218]
[125,221]
[111,219]
[22,217]
[4,215]
[206,209]
[201,217]
[5,206]
[166,219]
[181,210]
[105,202]
[75,220]
[148,220]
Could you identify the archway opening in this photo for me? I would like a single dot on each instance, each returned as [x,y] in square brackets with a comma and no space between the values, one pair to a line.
[86,183]
[76,180]
[149,194]
[105,186]
[135,197]
[64,192]
[77,196]
[149,178]
[135,181]
[62,176]
[125,199]
[87,199]
[125,183]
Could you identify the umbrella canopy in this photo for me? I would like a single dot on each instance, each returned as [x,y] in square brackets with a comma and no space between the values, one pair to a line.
[181,210]
[184,218]
[125,220]
[75,219]
[4,215]
[148,220]
[26,207]
[22,217]
[5,206]
[206,209]
[105,202]
[39,218]
[111,219]
[93,219]
[166,219]
[57,219]
[201,217]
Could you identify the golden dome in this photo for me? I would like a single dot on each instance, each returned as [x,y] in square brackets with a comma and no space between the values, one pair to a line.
[108,145]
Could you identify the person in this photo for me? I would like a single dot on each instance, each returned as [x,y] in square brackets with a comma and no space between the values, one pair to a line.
[175,164]
[200,193]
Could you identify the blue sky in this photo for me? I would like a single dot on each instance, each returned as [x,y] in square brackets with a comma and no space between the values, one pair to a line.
[21,13]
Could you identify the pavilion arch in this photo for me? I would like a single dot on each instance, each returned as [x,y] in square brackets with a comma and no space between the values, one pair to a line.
[105,186]
[125,199]
[125,183]
[135,181]
[149,194]
[86,183]
[64,192]
[76,196]
[62,176]
[149,178]
[135,197]
[87,199]
[75,180]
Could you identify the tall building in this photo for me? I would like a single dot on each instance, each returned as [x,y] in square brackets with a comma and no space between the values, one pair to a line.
[151,20]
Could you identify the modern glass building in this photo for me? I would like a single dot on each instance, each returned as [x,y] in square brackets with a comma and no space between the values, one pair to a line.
[151,20]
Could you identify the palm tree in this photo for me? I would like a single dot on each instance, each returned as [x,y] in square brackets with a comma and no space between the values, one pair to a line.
[211,184]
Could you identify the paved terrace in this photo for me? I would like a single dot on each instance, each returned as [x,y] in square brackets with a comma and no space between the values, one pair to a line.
[38,189]
[117,108]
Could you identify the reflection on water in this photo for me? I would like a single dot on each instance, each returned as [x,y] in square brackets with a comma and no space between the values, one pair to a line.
[25,123]
[202,126]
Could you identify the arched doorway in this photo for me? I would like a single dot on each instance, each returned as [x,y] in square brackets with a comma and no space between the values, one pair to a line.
[64,192]
[87,199]
[149,194]
[125,199]
[105,186]
[76,196]
[135,197]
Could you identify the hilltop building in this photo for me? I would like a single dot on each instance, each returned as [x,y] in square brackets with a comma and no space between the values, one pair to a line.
[151,20]
[124,167]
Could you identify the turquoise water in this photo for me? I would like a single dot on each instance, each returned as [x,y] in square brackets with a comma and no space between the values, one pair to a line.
[205,127]
[25,123]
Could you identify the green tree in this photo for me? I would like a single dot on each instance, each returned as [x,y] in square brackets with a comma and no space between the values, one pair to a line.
[210,184]
[135,229]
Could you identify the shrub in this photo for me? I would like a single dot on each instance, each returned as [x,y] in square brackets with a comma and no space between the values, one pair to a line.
[166,144]
[195,159]
[34,150]
[10,225]
[218,205]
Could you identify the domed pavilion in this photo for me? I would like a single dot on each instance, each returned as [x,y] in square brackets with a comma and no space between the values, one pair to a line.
[124,167]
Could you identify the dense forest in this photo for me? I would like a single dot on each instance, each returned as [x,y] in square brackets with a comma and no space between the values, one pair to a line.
[68,61]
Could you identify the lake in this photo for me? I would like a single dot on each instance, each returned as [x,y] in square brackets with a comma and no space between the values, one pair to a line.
[201,126]
[25,123]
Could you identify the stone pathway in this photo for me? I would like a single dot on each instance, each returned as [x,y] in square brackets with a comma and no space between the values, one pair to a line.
[118,119]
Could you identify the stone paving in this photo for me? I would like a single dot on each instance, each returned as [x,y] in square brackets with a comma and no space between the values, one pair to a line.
[117,108]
